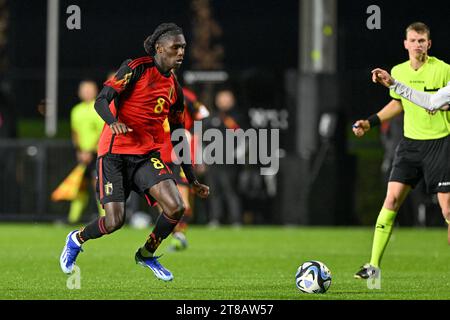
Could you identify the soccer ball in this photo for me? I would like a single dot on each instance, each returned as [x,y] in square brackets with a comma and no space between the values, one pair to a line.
[140,220]
[313,277]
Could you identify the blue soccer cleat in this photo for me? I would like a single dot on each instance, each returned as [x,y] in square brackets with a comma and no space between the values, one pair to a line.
[154,265]
[69,254]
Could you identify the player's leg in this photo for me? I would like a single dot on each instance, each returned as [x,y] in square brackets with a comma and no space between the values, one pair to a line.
[155,180]
[186,218]
[113,220]
[166,194]
[439,176]
[168,197]
[395,196]
[112,195]
[179,240]
[407,171]
[444,203]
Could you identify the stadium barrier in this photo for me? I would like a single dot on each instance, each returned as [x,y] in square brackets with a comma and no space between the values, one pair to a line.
[30,169]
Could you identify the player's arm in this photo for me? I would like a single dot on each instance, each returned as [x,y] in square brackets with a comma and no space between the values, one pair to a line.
[176,122]
[391,110]
[113,88]
[432,102]
[439,100]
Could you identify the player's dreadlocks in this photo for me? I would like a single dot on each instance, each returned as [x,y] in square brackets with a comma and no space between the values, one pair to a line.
[162,31]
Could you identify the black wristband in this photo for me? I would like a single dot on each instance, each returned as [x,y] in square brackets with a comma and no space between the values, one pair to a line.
[374,120]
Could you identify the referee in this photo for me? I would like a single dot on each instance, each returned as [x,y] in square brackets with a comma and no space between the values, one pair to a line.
[424,151]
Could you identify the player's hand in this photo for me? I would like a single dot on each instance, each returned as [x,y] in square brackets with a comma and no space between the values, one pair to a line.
[445,107]
[200,169]
[84,157]
[360,127]
[383,77]
[200,189]
[119,128]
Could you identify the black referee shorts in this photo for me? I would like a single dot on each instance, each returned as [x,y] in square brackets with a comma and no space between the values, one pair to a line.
[427,159]
[119,174]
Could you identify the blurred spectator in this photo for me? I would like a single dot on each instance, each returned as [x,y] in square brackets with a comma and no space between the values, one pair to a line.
[222,178]
[86,127]
[252,191]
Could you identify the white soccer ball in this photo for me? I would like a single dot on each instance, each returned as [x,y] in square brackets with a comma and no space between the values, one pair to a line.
[313,277]
[140,220]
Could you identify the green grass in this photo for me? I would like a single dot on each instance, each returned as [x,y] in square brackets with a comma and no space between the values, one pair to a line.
[223,264]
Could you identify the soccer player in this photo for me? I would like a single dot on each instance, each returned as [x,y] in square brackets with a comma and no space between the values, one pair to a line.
[86,127]
[194,110]
[134,104]
[424,152]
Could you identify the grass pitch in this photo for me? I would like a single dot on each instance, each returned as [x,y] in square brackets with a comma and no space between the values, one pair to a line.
[251,263]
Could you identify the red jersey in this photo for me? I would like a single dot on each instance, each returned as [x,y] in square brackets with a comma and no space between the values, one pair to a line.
[166,151]
[146,98]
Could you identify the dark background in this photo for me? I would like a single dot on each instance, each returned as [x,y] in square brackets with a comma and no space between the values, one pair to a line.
[260,40]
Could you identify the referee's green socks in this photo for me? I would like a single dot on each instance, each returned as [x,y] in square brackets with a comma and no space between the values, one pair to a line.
[77,206]
[383,231]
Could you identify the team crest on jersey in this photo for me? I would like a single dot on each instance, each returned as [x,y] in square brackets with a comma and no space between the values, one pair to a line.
[108,189]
